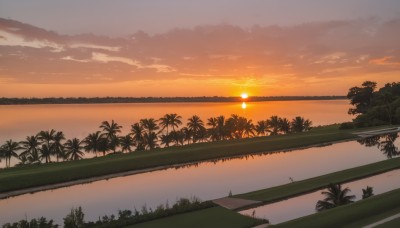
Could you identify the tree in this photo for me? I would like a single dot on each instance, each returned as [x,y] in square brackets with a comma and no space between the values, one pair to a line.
[31,147]
[137,133]
[110,133]
[150,140]
[74,149]
[196,125]
[248,128]
[45,153]
[166,139]
[149,125]
[92,142]
[261,128]
[361,97]
[75,219]
[367,192]
[47,137]
[173,120]
[299,124]
[284,125]
[212,122]
[334,197]
[58,148]
[126,143]
[273,125]
[10,149]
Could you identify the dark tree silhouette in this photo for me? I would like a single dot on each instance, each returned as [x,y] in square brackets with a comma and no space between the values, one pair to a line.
[334,196]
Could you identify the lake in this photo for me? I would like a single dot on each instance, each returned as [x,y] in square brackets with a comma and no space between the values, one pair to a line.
[19,121]
[206,180]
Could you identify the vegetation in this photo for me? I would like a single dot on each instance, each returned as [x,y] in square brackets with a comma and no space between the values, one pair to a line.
[147,134]
[211,217]
[37,175]
[358,214]
[85,100]
[33,223]
[375,107]
[367,192]
[334,196]
[75,218]
[301,187]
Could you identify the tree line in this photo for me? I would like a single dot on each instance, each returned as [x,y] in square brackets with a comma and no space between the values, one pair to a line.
[100,100]
[374,107]
[147,134]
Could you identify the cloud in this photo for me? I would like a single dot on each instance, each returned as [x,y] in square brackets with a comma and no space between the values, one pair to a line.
[311,52]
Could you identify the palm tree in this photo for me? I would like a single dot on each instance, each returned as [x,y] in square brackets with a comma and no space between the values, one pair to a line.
[110,129]
[10,149]
[126,143]
[138,132]
[149,125]
[45,153]
[273,124]
[334,197]
[221,128]
[150,140]
[284,125]
[167,139]
[92,142]
[103,145]
[58,148]
[173,120]
[47,137]
[248,128]
[74,149]
[196,125]
[185,135]
[367,192]
[299,124]
[261,128]
[212,131]
[31,148]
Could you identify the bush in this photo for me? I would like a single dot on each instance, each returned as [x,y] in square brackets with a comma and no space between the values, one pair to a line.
[346,125]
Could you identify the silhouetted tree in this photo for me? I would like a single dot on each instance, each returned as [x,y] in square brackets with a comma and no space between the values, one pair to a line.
[335,196]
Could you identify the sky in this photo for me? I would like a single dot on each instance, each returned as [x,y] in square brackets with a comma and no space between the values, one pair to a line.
[196,48]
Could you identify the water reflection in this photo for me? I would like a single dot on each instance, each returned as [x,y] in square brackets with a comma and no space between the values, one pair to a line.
[244,106]
[385,143]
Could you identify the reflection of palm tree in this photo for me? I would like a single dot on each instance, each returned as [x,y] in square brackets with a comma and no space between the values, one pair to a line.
[369,141]
[92,142]
[334,197]
[196,125]
[74,149]
[367,192]
[10,149]
[388,147]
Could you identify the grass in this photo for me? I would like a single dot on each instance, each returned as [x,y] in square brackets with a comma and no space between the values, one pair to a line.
[210,217]
[313,184]
[361,213]
[395,223]
[17,178]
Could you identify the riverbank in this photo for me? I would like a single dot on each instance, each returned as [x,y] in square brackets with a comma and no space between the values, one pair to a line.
[20,180]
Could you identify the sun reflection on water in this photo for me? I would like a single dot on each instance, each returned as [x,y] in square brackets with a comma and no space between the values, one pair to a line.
[244,105]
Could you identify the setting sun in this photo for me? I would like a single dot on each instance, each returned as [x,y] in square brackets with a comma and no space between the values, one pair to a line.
[244,95]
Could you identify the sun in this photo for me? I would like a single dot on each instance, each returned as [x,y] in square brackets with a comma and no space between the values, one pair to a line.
[244,95]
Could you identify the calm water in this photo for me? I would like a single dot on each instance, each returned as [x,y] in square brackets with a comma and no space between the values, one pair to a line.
[289,209]
[19,121]
[207,181]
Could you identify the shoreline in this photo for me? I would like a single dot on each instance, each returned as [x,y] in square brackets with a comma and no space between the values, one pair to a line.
[134,172]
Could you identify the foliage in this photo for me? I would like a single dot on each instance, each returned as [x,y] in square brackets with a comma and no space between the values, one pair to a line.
[34,223]
[334,197]
[367,192]
[75,218]
[374,108]
[346,125]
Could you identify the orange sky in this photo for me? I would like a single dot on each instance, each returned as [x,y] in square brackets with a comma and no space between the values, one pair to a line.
[319,58]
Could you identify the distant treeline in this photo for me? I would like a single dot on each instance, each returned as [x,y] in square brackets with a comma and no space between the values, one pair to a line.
[100,100]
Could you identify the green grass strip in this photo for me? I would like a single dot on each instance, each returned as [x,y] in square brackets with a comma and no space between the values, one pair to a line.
[309,185]
[17,178]
[211,217]
[353,215]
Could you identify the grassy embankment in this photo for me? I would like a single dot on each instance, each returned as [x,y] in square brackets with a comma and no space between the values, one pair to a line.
[361,213]
[210,217]
[38,175]
[309,185]
[301,187]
